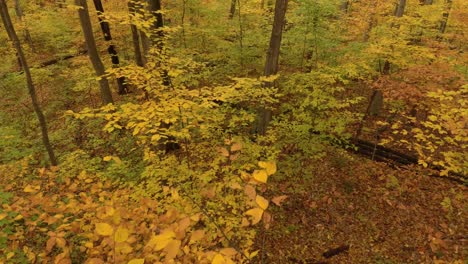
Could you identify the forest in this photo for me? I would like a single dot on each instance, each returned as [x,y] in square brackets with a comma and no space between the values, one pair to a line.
[233,131]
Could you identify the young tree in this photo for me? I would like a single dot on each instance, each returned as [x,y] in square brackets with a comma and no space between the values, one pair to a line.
[31,89]
[111,48]
[86,26]
[271,64]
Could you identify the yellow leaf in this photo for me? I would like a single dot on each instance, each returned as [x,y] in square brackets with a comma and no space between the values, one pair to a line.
[218,259]
[256,213]
[260,176]
[161,241]
[269,166]
[136,261]
[30,189]
[279,199]
[10,255]
[172,249]
[253,254]
[2,216]
[228,252]
[107,158]
[104,229]
[18,217]
[89,244]
[262,202]
[121,234]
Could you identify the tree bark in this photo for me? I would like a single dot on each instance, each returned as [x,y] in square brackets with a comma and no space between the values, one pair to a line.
[232,10]
[154,8]
[86,26]
[445,16]
[344,6]
[400,9]
[132,6]
[271,64]
[31,89]
[122,86]
[27,35]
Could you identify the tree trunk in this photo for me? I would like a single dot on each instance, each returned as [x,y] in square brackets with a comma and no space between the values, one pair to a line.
[445,16]
[400,9]
[86,26]
[232,10]
[122,86]
[31,89]
[271,64]
[344,6]
[154,8]
[27,36]
[132,6]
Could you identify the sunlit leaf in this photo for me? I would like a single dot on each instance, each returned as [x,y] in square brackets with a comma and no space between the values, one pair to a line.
[121,234]
[136,261]
[269,166]
[218,259]
[104,229]
[256,213]
[262,202]
[30,189]
[260,176]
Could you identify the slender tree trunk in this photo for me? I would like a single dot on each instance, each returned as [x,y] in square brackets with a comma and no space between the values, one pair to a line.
[10,36]
[27,35]
[232,10]
[182,22]
[93,52]
[271,64]
[344,6]
[241,36]
[399,11]
[445,16]
[31,89]
[122,86]
[371,23]
[154,8]
[132,6]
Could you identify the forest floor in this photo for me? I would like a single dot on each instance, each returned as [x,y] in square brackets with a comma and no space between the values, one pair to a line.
[366,212]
